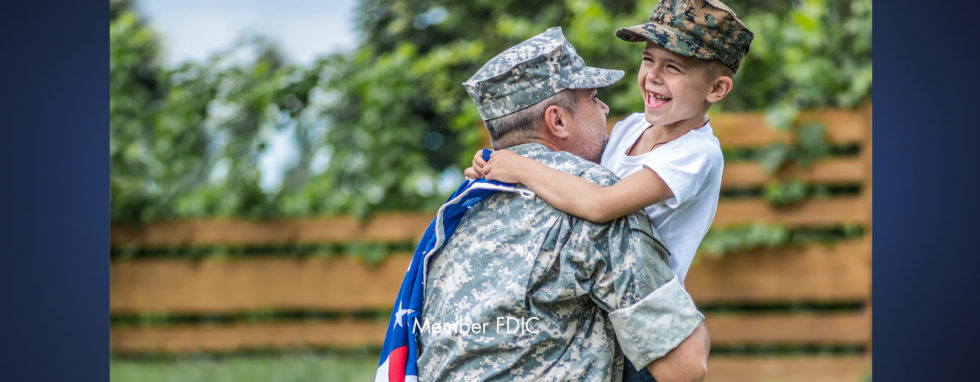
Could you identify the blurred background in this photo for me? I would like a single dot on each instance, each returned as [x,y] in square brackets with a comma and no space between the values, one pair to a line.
[272,165]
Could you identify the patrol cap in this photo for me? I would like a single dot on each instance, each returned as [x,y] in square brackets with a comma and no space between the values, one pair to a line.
[531,71]
[706,29]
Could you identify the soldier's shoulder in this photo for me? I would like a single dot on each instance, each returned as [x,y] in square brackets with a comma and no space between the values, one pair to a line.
[590,171]
[567,162]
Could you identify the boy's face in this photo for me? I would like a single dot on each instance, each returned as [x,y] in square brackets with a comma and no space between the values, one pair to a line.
[675,88]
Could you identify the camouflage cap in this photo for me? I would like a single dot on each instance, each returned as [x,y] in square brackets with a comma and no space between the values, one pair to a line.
[705,29]
[531,71]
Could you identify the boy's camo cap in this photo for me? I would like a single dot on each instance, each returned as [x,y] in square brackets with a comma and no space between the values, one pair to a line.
[705,29]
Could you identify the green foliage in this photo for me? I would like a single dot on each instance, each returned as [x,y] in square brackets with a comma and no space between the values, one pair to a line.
[719,241]
[388,126]
[753,236]
[810,145]
[791,192]
[815,55]
[185,141]
[298,367]
[369,253]
[784,194]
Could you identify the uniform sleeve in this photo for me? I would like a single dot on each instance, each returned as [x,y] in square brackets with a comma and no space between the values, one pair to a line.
[684,168]
[649,309]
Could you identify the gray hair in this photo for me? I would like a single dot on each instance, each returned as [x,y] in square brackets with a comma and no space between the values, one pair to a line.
[526,120]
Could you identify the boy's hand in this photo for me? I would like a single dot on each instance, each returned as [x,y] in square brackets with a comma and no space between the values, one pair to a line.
[476,171]
[506,166]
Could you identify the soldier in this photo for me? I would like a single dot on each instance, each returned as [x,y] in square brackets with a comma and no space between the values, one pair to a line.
[522,291]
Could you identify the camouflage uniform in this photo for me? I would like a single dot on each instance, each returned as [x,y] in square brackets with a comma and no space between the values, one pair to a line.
[573,296]
[592,292]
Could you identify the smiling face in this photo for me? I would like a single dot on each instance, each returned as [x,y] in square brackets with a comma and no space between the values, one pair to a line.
[677,90]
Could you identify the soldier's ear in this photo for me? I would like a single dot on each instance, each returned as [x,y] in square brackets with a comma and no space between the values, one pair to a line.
[556,121]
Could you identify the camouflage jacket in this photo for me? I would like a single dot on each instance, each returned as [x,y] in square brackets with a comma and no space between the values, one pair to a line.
[522,291]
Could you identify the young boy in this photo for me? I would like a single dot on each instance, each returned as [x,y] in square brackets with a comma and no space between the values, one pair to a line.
[668,158]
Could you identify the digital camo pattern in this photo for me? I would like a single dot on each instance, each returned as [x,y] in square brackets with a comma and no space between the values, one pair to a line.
[531,71]
[566,287]
[706,29]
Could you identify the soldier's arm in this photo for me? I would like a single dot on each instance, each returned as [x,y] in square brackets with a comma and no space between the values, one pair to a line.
[655,320]
[687,362]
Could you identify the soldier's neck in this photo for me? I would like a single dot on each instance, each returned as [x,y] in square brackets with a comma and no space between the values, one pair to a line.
[519,138]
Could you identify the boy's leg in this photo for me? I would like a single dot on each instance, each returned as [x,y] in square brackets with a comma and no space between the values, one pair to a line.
[630,374]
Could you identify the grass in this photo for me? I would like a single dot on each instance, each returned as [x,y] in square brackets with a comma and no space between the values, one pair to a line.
[293,367]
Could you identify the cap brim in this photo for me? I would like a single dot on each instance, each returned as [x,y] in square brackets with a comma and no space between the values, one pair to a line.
[662,37]
[592,78]
[634,33]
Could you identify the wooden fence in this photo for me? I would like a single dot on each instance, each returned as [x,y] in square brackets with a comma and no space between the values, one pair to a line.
[794,313]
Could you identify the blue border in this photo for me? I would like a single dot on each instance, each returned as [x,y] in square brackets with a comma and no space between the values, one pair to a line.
[925,205]
[54,275]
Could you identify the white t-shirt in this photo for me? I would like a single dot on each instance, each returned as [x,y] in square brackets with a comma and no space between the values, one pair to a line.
[691,166]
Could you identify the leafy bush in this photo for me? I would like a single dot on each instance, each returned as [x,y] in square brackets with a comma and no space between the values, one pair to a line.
[388,126]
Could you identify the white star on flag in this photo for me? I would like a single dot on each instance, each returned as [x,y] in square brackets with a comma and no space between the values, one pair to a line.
[401,312]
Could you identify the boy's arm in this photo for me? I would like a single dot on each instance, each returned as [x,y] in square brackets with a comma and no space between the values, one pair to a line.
[475,171]
[575,195]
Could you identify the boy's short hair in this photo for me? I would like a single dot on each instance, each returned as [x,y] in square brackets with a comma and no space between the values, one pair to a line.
[716,69]
[705,29]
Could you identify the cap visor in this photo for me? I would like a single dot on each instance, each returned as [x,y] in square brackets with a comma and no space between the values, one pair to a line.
[635,33]
[592,78]
[678,43]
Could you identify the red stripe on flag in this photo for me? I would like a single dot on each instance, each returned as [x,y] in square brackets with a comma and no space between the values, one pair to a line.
[396,364]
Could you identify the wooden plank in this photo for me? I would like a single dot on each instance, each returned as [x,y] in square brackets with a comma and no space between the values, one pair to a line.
[794,328]
[866,156]
[217,286]
[403,227]
[389,227]
[750,129]
[223,338]
[812,273]
[788,369]
[738,130]
[833,170]
[812,212]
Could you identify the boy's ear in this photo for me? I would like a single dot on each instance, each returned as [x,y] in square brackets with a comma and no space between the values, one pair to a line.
[556,121]
[719,89]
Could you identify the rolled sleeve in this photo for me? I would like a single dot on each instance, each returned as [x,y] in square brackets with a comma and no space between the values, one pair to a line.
[650,328]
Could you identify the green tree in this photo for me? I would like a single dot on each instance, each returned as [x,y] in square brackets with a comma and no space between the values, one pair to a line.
[387,125]
[185,140]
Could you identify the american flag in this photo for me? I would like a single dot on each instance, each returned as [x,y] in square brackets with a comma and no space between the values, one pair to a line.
[399,352]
